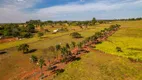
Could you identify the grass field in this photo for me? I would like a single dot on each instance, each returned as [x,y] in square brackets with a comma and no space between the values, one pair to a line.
[108,65]
[128,38]
[100,66]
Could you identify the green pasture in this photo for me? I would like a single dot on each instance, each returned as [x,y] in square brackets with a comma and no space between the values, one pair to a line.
[100,66]
[129,39]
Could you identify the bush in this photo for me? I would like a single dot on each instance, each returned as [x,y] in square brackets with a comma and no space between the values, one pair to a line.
[34,59]
[51,48]
[73,44]
[24,48]
[76,35]
[67,46]
[59,71]
[119,49]
[63,30]
[58,47]
[40,34]
[25,35]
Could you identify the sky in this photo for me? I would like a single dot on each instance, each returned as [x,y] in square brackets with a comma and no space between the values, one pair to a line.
[15,11]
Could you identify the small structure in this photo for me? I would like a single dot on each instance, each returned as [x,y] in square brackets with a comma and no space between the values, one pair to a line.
[55,31]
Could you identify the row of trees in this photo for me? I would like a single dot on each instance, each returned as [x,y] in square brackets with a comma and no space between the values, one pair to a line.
[103,33]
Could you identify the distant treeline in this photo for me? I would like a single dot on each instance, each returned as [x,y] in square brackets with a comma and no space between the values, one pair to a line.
[129,19]
[28,29]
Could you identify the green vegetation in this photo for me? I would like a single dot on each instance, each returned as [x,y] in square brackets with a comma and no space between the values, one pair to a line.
[41,63]
[76,35]
[24,48]
[40,34]
[100,66]
[34,59]
[128,39]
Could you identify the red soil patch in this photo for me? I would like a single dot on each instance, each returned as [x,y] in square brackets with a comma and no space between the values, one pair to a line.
[8,40]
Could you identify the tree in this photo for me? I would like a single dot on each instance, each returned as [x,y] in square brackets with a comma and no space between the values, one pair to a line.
[67,46]
[80,45]
[58,47]
[76,35]
[34,59]
[73,44]
[40,34]
[51,23]
[24,48]
[65,52]
[79,24]
[94,21]
[30,28]
[41,63]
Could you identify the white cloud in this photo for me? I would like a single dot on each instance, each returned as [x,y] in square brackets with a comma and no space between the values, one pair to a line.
[13,12]
[20,0]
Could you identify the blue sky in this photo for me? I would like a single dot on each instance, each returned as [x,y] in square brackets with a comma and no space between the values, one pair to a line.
[23,10]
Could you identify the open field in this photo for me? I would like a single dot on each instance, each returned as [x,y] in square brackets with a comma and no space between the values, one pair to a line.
[100,66]
[94,65]
[128,38]
[105,63]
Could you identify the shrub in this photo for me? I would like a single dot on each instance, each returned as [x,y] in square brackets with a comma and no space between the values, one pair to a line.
[73,44]
[59,71]
[34,59]
[76,35]
[26,35]
[24,48]
[119,49]
[63,30]
[40,34]
[51,48]
[67,46]
[58,47]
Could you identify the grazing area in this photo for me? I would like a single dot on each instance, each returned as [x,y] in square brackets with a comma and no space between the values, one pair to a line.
[100,66]
[126,42]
